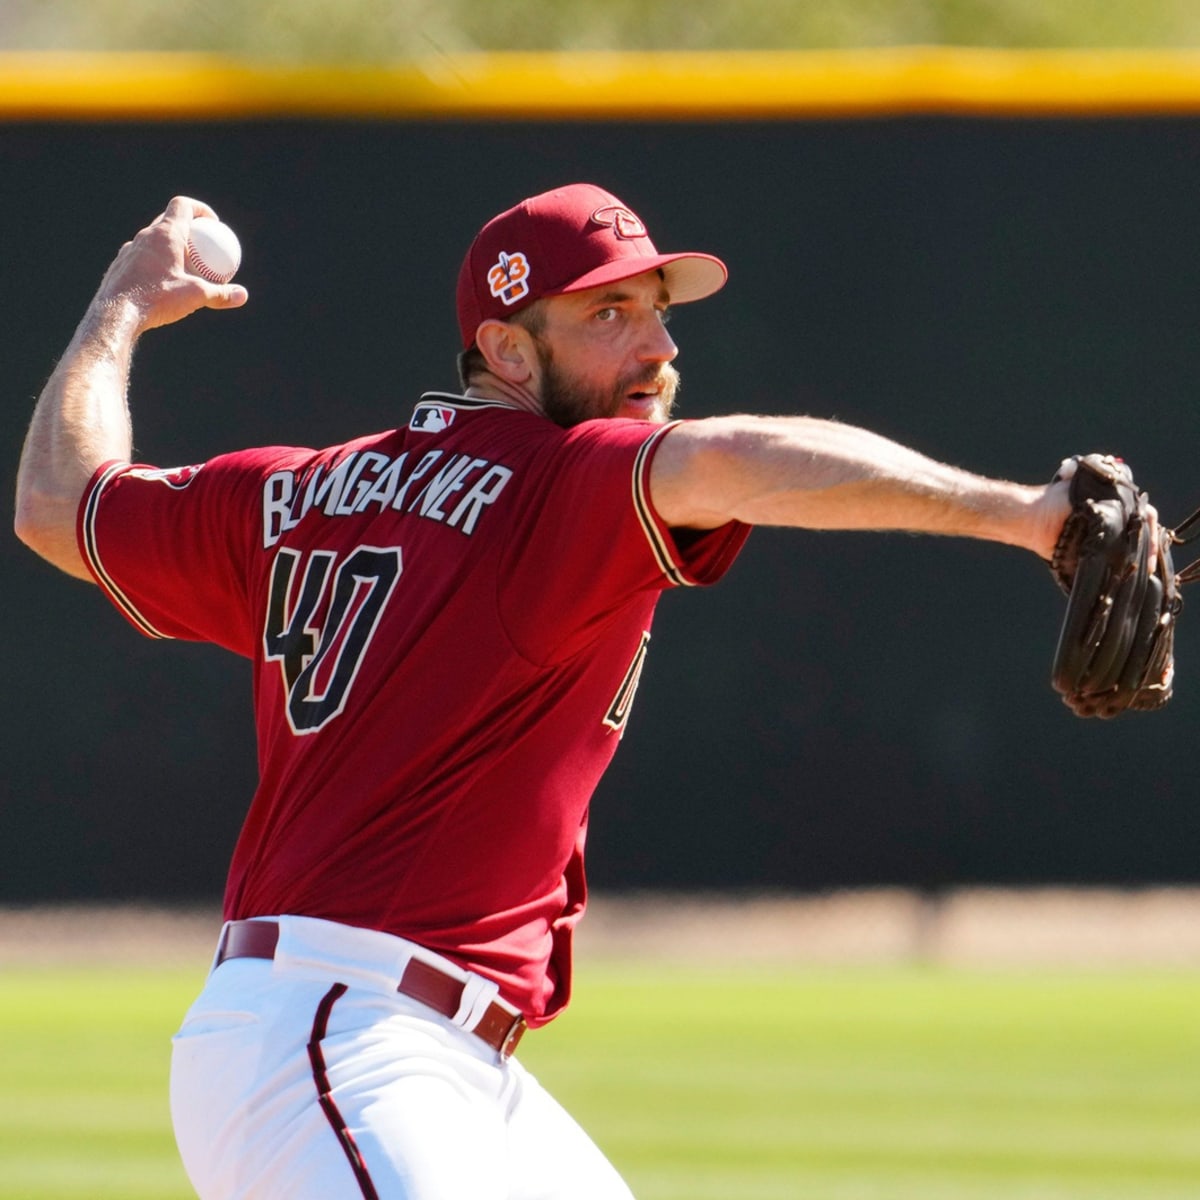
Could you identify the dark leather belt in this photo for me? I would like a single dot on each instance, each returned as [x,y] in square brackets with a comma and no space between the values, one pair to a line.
[420,981]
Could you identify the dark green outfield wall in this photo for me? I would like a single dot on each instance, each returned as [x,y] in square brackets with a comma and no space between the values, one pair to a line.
[845,709]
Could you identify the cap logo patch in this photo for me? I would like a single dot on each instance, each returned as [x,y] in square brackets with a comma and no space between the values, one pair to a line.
[508,279]
[625,224]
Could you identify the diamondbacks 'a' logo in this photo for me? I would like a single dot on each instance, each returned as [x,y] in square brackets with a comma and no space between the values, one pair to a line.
[625,224]
[431,418]
[509,278]
[618,710]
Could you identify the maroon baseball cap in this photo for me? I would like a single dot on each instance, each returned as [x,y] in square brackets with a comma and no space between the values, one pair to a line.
[566,240]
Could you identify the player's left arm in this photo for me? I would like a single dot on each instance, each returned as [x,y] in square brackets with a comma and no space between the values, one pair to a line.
[82,419]
[820,474]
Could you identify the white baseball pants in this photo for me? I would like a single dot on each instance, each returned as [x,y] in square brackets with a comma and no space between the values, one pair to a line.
[310,1078]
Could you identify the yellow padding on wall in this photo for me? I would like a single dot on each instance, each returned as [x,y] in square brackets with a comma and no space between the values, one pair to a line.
[619,86]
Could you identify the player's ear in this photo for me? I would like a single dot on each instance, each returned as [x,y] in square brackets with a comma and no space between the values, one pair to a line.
[508,349]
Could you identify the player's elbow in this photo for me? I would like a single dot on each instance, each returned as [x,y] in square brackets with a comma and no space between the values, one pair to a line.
[46,524]
[29,528]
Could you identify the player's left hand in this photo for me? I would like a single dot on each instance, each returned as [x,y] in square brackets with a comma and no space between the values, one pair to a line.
[149,272]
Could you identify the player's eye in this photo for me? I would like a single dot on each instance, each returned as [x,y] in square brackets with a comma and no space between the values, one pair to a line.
[606,315]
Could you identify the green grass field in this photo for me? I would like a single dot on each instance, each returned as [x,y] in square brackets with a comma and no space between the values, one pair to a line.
[849,1084]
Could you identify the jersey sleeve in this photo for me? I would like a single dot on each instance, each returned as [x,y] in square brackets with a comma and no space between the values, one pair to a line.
[591,540]
[172,549]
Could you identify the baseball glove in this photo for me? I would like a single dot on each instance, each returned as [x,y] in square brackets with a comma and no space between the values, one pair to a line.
[1116,645]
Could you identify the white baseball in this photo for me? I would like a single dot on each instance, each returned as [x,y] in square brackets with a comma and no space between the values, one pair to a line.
[213,251]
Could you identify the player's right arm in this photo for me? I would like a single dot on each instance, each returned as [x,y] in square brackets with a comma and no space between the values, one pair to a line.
[820,474]
[82,419]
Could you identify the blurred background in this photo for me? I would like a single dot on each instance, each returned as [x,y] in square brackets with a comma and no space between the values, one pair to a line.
[384,30]
[998,278]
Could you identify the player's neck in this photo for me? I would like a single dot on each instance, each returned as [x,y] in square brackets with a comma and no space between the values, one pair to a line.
[486,386]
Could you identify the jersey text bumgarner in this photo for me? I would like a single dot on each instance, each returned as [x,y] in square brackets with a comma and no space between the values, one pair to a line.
[451,488]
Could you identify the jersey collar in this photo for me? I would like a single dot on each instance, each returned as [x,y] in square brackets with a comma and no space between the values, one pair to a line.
[467,402]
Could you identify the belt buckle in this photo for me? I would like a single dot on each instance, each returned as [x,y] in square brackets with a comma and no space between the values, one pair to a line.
[515,1032]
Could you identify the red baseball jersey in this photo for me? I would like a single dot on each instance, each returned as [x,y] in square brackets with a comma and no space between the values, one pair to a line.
[447,623]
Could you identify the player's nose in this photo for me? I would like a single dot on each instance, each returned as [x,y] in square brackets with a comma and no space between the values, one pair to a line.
[657,344]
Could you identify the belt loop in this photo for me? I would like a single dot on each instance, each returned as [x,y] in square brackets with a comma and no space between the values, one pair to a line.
[477,996]
[222,944]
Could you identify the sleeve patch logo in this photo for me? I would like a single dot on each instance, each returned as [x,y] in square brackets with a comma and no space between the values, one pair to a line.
[174,477]
[509,278]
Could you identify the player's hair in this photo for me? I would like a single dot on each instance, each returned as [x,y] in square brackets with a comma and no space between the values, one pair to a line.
[471,362]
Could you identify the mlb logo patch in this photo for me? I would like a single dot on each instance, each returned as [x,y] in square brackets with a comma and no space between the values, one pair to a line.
[431,418]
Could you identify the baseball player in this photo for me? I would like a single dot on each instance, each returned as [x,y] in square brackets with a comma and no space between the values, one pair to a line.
[446,623]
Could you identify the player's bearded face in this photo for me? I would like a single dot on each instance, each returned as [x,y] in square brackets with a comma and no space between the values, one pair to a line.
[647,393]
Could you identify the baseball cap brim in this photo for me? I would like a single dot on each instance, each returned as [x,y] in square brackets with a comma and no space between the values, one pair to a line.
[687,276]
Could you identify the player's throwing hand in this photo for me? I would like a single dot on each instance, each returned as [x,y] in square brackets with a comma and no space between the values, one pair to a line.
[150,272]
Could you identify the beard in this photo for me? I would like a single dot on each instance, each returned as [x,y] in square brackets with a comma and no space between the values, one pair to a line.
[567,400]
